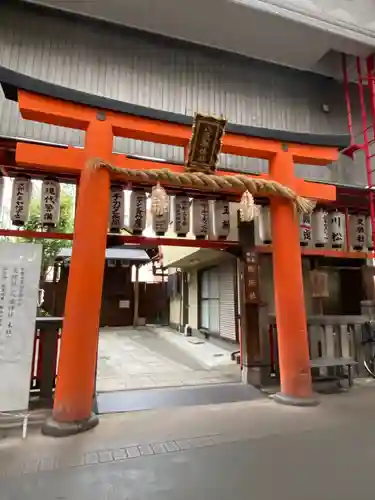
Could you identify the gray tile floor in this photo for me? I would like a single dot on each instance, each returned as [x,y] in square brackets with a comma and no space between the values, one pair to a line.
[256,450]
[136,359]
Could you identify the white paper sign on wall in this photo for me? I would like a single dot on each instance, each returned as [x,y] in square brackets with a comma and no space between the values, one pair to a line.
[124,304]
[20,266]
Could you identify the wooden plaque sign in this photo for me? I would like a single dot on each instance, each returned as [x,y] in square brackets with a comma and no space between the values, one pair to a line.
[205,144]
[251,281]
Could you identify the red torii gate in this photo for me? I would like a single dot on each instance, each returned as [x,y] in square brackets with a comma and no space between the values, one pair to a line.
[72,410]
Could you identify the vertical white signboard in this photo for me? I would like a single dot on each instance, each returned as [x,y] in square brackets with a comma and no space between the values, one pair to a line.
[19,282]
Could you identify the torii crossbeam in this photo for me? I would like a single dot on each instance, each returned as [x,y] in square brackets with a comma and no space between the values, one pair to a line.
[102,119]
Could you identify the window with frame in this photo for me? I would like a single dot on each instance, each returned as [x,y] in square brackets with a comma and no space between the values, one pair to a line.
[209,300]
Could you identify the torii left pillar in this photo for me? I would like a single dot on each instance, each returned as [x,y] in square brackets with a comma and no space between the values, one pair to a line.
[73,403]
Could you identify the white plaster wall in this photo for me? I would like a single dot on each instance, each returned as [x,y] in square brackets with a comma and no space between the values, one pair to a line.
[193,299]
[174,310]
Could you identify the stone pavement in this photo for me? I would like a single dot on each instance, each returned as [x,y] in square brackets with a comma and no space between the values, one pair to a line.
[256,450]
[139,358]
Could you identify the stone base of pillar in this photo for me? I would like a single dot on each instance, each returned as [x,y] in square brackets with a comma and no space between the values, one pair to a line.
[63,429]
[257,376]
[284,399]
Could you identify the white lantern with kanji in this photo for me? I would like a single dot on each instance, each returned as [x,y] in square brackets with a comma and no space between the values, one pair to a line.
[368,230]
[181,215]
[320,229]
[265,229]
[21,197]
[117,208]
[357,231]
[50,203]
[305,230]
[337,229]
[137,212]
[221,218]
[160,222]
[201,217]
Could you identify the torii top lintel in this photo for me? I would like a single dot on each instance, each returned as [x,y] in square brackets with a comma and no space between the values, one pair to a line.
[47,103]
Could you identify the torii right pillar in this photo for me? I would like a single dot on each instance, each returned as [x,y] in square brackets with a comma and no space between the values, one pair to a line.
[293,347]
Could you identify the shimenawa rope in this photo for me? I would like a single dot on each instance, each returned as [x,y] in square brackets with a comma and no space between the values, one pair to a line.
[237,182]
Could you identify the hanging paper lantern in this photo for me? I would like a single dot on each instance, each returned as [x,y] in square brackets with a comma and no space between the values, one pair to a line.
[160,222]
[265,230]
[21,197]
[137,212]
[320,227]
[248,209]
[117,209]
[368,230]
[337,222]
[50,203]
[159,200]
[181,215]
[357,231]
[305,231]
[221,218]
[201,218]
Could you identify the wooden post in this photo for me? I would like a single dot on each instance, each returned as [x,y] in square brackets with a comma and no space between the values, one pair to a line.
[251,355]
[72,411]
[136,297]
[294,357]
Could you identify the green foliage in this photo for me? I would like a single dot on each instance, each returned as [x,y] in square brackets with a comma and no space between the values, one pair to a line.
[51,248]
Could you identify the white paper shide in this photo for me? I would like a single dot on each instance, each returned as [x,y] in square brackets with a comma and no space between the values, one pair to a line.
[221,218]
[19,282]
[337,226]
[201,217]
[21,197]
[117,208]
[264,222]
[181,215]
[137,212]
[50,203]
[320,227]
[357,231]
[305,230]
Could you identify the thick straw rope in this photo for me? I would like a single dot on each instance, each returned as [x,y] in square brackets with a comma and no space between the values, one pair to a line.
[196,180]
